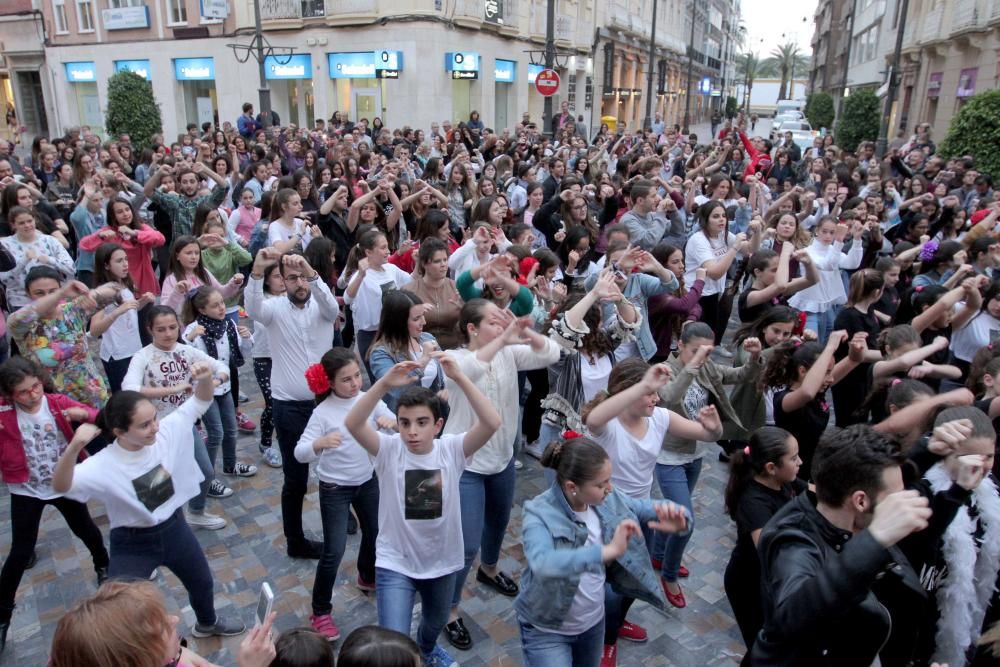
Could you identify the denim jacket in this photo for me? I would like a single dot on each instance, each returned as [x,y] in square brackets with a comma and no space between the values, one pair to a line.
[638,289]
[556,551]
[382,359]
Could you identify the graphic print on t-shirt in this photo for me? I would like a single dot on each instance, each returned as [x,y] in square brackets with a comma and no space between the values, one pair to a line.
[388,287]
[154,487]
[41,451]
[424,491]
[170,372]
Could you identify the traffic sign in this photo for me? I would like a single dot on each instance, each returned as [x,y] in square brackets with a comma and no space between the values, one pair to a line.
[547,82]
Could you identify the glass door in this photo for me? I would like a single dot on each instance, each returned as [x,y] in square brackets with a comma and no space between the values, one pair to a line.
[366,103]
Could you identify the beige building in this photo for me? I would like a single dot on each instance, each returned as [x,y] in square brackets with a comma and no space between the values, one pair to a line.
[951,51]
[405,61]
[24,85]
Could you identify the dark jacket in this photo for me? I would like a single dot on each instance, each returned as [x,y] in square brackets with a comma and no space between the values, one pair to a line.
[816,591]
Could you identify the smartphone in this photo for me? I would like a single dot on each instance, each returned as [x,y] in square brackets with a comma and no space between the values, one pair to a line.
[264,603]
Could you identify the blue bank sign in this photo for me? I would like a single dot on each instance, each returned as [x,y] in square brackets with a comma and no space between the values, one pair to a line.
[298,66]
[140,67]
[194,69]
[81,72]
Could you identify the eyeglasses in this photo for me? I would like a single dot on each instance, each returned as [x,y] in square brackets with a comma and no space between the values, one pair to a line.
[36,388]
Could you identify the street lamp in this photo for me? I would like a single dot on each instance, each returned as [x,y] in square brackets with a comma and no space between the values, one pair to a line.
[261,49]
[648,124]
[687,97]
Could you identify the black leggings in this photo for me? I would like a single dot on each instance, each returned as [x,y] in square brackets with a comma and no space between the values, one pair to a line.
[25,516]
[531,424]
[712,315]
[262,371]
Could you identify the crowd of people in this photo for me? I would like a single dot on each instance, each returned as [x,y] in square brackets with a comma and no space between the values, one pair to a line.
[504,294]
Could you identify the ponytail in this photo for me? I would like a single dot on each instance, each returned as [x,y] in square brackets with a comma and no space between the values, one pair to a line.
[366,241]
[786,359]
[767,445]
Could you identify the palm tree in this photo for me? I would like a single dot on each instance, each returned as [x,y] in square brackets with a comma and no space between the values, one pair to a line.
[787,61]
[748,69]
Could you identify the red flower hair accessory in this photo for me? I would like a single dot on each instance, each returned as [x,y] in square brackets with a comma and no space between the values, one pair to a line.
[569,435]
[524,268]
[317,380]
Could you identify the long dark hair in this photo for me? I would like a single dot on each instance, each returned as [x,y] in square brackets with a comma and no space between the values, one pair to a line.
[332,362]
[102,256]
[773,315]
[783,367]
[109,214]
[373,645]
[767,445]
[16,370]
[393,331]
[175,266]
[319,254]
[705,210]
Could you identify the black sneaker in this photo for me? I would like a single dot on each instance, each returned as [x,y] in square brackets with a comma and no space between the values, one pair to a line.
[308,549]
[102,575]
[458,635]
[222,628]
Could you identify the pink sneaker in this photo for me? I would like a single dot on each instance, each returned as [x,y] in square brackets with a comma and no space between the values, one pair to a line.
[245,424]
[325,626]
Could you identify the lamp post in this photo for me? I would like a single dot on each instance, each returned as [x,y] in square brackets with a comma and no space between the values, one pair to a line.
[687,96]
[550,61]
[263,92]
[648,124]
[890,97]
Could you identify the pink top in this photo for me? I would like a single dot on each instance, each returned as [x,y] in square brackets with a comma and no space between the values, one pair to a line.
[176,300]
[138,251]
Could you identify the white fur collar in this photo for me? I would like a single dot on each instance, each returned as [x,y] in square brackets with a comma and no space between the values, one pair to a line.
[963,599]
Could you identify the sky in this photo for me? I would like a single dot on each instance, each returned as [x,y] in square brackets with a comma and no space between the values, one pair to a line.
[767,20]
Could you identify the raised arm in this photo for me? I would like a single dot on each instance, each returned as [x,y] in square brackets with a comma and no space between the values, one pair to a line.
[815,377]
[488,418]
[356,421]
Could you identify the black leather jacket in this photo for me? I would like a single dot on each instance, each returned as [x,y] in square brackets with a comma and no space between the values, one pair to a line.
[816,590]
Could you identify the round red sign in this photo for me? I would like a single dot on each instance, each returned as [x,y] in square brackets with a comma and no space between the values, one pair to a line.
[547,82]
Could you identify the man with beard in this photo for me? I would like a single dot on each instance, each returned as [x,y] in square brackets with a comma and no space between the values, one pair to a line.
[300,330]
[181,205]
[822,552]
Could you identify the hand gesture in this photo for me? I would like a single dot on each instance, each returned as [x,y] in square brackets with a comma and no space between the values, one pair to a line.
[266,257]
[670,518]
[182,286]
[257,648]
[899,515]
[947,437]
[700,355]
[244,332]
[841,233]
[297,263]
[619,542]
[836,339]
[387,423]
[83,435]
[752,346]
[657,376]
[449,365]
[331,440]
[560,236]
[76,414]
[972,469]
[858,346]
[700,273]
[237,279]
[573,259]
[709,418]
[197,332]
[201,370]
[401,375]
[106,234]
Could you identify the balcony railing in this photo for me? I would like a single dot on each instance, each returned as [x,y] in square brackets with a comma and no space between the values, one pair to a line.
[276,10]
[966,16]
[931,29]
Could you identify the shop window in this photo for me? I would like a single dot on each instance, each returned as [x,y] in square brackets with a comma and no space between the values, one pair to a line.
[122,4]
[59,12]
[85,15]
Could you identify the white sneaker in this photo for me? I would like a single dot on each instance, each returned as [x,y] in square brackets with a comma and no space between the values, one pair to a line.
[518,465]
[206,520]
[534,449]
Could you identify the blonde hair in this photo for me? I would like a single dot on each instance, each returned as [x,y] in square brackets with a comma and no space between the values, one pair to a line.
[121,625]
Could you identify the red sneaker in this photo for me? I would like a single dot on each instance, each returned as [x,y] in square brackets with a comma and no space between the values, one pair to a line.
[325,626]
[675,600]
[367,587]
[632,632]
[682,572]
[609,658]
[657,564]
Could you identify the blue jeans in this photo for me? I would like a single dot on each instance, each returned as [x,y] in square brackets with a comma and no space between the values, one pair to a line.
[197,504]
[548,649]
[822,323]
[334,506]
[394,595]
[220,423]
[136,552]
[290,419]
[677,484]
[486,502]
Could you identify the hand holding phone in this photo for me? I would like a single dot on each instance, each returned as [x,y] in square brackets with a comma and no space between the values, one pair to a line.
[264,604]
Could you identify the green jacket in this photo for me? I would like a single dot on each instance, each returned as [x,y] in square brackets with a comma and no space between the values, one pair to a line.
[224,263]
[522,304]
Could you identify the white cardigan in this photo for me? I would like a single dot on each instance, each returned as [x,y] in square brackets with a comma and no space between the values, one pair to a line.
[829,291]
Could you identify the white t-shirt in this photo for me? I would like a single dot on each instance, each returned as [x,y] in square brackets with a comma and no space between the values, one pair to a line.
[633,460]
[43,444]
[587,609]
[367,304]
[594,376]
[419,509]
[349,464]
[144,488]
[277,232]
[701,249]
[981,330]
[121,340]
[153,367]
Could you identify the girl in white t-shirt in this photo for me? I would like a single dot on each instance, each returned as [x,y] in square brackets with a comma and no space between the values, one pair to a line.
[627,423]
[346,477]
[712,248]
[144,478]
[210,331]
[286,231]
[118,324]
[161,372]
[370,275]
[419,547]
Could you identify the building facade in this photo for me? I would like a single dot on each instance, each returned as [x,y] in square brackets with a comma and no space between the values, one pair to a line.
[404,61]
[831,44]
[24,82]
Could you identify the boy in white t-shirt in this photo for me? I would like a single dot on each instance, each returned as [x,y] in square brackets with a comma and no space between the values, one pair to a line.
[419,547]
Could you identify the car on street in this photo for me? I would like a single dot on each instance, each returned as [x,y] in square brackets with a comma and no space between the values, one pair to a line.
[799,128]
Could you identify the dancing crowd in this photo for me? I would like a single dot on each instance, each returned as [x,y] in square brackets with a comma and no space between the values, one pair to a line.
[618,306]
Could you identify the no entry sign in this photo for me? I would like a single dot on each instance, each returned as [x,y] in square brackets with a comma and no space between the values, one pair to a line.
[547,82]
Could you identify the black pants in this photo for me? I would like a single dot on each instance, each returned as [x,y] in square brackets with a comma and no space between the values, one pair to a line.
[532,421]
[262,371]
[290,419]
[712,315]
[615,610]
[25,516]
[116,370]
